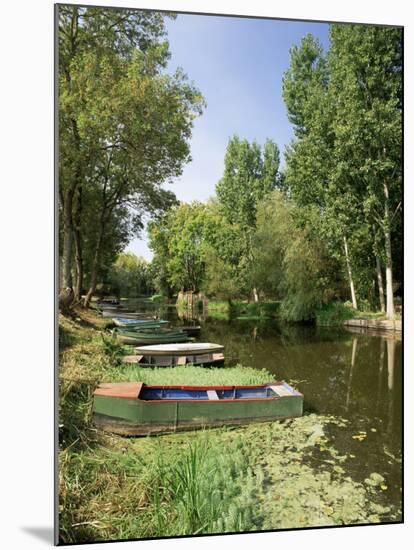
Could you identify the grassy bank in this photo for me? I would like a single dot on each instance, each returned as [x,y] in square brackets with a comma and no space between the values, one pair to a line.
[335,313]
[242,310]
[262,476]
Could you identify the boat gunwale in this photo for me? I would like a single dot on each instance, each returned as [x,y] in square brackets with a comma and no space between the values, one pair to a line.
[206,388]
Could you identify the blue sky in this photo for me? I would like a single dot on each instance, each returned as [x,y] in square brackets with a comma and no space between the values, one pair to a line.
[238,65]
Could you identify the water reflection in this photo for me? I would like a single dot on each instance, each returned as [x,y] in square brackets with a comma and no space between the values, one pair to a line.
[353,358]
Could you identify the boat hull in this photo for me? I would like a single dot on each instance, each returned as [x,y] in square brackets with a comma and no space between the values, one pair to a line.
[138,323]
[154,339]
[199,348]
[206,360]
[133,417]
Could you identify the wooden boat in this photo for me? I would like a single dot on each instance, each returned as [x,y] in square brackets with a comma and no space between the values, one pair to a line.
[115,312]
[109,300]
[133,316]
[146,337]
[134,408]
[140,323]
[171,355]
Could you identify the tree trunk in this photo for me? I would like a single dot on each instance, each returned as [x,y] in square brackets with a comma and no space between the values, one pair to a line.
[79,267]
[78,248]
[255,295]
[66,290]
[388,255]
[351,280]
[380,283]
[95,264]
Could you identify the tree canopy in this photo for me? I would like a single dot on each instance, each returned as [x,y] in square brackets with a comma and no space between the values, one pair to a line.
[124,126]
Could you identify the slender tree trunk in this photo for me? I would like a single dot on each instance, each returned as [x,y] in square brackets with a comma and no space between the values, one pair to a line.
[66,289]
[351,280]
[95,264]
[388,255]
[79,266]
[67,241]
[255,295]
[380,283]
[78,247]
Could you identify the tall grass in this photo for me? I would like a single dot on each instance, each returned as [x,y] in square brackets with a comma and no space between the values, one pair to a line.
[334,314]
[190,375]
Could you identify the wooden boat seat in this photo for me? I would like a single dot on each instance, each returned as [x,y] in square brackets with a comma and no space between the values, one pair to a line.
[280,390]
[212,395]
[122,390]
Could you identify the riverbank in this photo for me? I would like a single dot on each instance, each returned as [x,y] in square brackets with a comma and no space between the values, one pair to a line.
[262,476]
[243,310]
[339,313]
[330,315]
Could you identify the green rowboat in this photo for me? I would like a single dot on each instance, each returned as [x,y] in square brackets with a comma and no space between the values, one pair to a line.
[139,409]
[139,323]
[150,337]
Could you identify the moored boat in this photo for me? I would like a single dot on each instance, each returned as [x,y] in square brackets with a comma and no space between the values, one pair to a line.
[133,316]
[134,408]
[171,355]
[112,311]
[150,337]
[140,323]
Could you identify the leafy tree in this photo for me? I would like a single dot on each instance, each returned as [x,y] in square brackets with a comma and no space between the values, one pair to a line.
[249,175]
[179,239]
[291,261]
[131,276]
[346,157]
[124,125]
[366,66]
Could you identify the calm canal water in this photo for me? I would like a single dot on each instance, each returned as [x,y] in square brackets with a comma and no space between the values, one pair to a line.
[355,375]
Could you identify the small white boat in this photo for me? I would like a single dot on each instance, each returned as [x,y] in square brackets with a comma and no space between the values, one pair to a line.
[171,355]
[180,349]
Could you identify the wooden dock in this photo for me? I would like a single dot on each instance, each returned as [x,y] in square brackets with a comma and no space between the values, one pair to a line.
[376,324]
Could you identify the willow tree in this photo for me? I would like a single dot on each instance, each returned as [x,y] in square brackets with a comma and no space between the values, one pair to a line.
[124,124]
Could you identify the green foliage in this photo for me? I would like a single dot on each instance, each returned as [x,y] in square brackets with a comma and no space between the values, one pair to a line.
[334,313]
[303,82]
[290,261]
[158,298]
[131,276]
[115,96]
[250,174]
[221,277]
[346,108]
